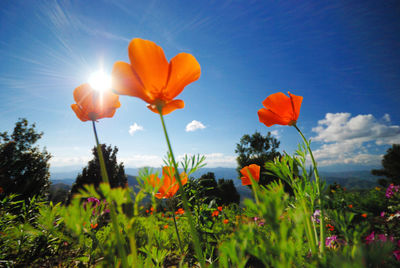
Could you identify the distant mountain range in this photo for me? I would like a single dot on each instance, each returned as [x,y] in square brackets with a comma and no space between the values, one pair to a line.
[350,179]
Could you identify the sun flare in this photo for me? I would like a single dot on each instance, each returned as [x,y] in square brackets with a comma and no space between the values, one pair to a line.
[100,81]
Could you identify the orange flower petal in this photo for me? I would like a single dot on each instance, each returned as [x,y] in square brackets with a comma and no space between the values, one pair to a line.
[184,178]
[169,107]
[252,169]
[93,105]
[83,96]
[183,70]
[149,62]
[296,102]
[245,181]
[79,113]
[269,118]
[279,104]
[126,81]
[280,109]
[151,78]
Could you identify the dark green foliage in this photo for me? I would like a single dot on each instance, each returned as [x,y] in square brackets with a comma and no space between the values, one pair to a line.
[224,192]
[91,173]
[257,149]
[391,166]
[24,168]
[208,189]
[58,192]
[227,192]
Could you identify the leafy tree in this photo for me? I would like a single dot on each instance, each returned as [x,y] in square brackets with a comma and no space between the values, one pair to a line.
[24,168]
[208,187]
[391,166]
[227,192]
[223,192]
[257,149]
[91,173]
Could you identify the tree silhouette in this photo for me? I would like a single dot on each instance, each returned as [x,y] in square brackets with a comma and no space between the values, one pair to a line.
[208,187]
[223,192]
[24,168]
[391,166]
[227,192]
[91,173]
[257,149]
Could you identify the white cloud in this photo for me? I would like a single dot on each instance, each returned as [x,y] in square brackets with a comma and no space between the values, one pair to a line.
[275,133]
[361,128]
[61,161]
[141,160]
[194,125]
[134,128]
[347,139]
[216,160]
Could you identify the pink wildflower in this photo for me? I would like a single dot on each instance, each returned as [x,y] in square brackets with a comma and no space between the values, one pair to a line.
[330,240]
[315,216]
[391,190]
[396,254]
[382,237]
[370,238]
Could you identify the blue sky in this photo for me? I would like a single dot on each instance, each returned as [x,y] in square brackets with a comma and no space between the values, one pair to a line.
[343,57]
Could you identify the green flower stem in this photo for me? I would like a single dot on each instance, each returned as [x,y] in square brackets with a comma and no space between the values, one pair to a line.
[176,227]
[193,231]
[320,200]
[312,240]
[113,215]
[253,187]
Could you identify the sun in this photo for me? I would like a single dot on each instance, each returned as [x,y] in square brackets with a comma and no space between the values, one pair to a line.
[100,81]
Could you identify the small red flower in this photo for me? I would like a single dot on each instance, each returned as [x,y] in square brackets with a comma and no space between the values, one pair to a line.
[226,221]
[180,211]
[350,206]
[364,215]
[220,208]
[331,227]
[215,213]
[94,226]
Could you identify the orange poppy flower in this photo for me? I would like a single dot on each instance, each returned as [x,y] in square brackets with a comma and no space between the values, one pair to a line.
[94,226]
[151,78]
[226,221]
[166,226]
[280,109]
[92,105]
[169,185]
[350,206]
[180,211]
[364,215]
[252,169]
[215,213]
[220,208]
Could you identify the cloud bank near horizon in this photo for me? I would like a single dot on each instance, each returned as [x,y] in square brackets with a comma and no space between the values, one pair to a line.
[353,140]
